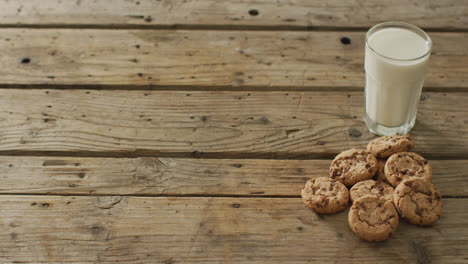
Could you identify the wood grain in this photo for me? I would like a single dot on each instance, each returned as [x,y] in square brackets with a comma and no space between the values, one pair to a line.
[174,176]
[219,59]
[215,124]
[52,229]
[451,14]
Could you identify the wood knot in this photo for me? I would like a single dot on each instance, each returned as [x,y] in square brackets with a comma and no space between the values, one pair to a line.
[96,229]
[264,120]
[354,132]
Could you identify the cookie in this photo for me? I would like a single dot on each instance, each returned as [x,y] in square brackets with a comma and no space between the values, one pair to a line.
[380,175]
[384,147]
[418,201]
[373,218]
[406,165]
[325,195]
[371,187]
[352,166]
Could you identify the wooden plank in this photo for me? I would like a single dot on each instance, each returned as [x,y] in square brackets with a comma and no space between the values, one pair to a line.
[451,14]
[45,229]
[160,58]
[175,176]
[213,123]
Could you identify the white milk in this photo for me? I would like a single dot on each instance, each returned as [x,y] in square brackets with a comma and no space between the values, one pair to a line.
[393,84]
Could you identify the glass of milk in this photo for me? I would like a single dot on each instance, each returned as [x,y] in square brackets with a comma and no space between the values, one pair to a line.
[395,63]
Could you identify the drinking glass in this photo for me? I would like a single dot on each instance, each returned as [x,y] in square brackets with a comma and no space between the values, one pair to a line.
[396,58]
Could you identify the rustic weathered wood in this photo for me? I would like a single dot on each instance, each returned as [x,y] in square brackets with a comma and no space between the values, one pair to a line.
[45,229]
[155,58]
[452,14]
[213,123]
[248,123]
[174,176]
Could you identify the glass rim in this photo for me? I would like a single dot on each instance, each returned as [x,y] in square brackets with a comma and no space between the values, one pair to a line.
[389,24]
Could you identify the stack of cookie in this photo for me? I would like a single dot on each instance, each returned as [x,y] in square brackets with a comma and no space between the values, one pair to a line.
[374,215]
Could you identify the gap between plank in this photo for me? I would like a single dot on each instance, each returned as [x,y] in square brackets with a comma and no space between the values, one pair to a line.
[199,155]
[158,195]
[188,88]
[184,195]
[194,154]
[212,27]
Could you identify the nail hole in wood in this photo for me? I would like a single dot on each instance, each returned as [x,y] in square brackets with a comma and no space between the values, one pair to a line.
[253,12]
[345,40]
[25,60]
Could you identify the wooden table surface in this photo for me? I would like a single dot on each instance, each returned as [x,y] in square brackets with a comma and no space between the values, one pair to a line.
[183,131]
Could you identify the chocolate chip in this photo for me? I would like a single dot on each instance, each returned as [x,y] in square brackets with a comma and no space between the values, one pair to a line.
[409,184]
[418,212]
[368,166]
[326,201]
[429,199]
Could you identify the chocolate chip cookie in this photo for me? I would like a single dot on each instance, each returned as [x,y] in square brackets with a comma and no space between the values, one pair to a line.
[352,166]
[371,187]
[418,201]
[384,147]
[325,195]
[406,165]
[373,218]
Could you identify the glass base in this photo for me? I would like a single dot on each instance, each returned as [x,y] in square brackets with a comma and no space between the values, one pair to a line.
[382,130]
